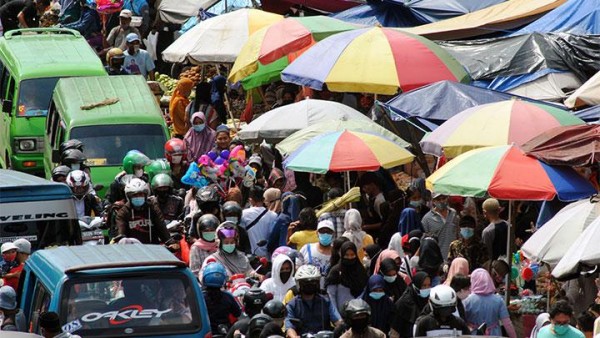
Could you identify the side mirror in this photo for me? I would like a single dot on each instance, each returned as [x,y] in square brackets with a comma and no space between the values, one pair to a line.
[7,106]
[55,155]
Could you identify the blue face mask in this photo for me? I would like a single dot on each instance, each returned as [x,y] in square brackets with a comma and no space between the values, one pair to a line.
[467,233]
[424,293]
[376,295]
[415,204]
[441,205]
[561,329]
[229,248]
[390,279]
[208,236]
[325,239]
[138,201]
[199,127]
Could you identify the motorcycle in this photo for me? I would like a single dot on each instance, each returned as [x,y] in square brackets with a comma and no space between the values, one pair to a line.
[91,230]
[258,263]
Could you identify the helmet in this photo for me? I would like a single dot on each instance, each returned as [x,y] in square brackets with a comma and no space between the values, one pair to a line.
[158,167]
[254,300]
[61,170]
[442,296]
[207,194]
[79,182]
[232,209]
[355,307]
[207,222]
[134,158]
[274,309]
[71,156]
[257,324]
[227,230]
[175,146]
[161,180]
[307,272]
[114,53]
[135,186]
[214,275]
[71,144]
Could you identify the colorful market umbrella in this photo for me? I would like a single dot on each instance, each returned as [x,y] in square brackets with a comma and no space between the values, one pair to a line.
[285,40]
[373,60]
[568,145]
[347,150]
[494,124]
[219,39]
[583,254]
[297,139]
[550,242]
[505,172]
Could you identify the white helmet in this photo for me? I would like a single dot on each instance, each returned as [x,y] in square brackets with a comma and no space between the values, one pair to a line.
[136,185]
[442,296]
[79,182]
[307,272]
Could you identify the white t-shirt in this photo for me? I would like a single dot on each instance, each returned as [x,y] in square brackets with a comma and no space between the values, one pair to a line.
[309,254]
[260,230]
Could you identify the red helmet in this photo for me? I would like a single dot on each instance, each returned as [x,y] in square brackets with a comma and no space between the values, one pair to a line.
[174,148]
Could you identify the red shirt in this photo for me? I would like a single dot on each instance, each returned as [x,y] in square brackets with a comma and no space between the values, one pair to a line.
[13,281]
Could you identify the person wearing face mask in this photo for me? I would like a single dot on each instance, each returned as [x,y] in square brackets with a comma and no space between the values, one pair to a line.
[86,204]
[394,284]
[116,36]
[206,244]
[74,159]
[462,286]
[140,217]
[416,201]
[347,279]
[257,219]
[484,306]
[221,306]
[177,107]
[200,138]
[561,314]
[138,61]
[281,280]
[441,222]
[319,253]
[357,315]
[314,311]
[441,320]
[234,260]
[458,266]
[381,305]
[469,246]
[170,205]
[176,155]
[114,62]
[494,236]
[407,309]
[353,226]
[133,166]
[372,253]
[231,211]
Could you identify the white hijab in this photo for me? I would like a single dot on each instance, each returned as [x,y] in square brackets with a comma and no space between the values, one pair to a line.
[274,285]
[353,227]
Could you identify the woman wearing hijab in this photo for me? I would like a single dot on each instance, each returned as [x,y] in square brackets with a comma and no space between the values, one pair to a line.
[200,138]
[385,254]
[411,244]
[354,232]
[542,320]
[407,309]
[347,279]
[234,260]
[282,278]
[484,306]
[206,244]
[394,284]
[409,221]
[459,266]
[396,244]
[177,107]
[430,259]
[336,250]
[372,254]
[290,209]
[381,305]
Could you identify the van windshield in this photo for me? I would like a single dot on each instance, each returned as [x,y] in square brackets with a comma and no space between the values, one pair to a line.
[150,304]
[42,233]
[35,96]
[106,145]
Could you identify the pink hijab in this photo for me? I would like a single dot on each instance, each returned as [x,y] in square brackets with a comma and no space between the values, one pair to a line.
[199,143]
[387,253]
[482,283]
[459,266]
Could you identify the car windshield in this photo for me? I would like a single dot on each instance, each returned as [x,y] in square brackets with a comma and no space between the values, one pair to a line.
[35,96]
[107,144]
[147,304]
[42,234]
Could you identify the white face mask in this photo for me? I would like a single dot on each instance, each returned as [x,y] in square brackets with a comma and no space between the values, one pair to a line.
[138,172]
[176,159]
[136,49]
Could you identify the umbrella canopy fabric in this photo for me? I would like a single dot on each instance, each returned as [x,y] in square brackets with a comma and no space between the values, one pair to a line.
[505,172]
[569,145]
[304,135]
[219,39]
[549,243]
[347,151]
[494,124]
[373,60]
[586,95]
[288,36]
[279,123]
[585,251]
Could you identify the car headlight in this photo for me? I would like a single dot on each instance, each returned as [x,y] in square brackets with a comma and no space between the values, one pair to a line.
[26,145]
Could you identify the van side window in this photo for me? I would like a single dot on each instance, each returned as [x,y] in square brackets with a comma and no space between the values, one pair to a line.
[54,129]
[49,119]
[41,302]
[59,135]
[5,83]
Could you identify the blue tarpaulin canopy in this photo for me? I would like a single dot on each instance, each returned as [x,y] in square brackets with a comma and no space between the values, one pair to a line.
[591,114]
[574,16]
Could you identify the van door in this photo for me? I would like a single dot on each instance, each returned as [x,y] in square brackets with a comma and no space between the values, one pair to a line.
[41,304]
[7,87]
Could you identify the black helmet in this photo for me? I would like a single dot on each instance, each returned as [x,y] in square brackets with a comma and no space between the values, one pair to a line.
[71,144]
[257,324]
[355,307]
[61,170]
[254,300]
[207,194]
[274,309]
[71,156]
[232,209]
[207,222]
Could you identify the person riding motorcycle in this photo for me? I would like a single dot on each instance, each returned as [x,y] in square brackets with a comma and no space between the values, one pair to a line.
[158,167]
[257,324]
[133,164]
[170,205]
[59,174]
[357,316]
[85,201]
[234,260]
[74,159]
[222,308]
[140,217]
[232,212]
[276,310]
[206,244]
[253,303]
[206,201]
[441,319]
[176,155]
[114,62]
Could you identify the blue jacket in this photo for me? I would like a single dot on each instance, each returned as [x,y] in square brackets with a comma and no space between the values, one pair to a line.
[88,23]
[290,209]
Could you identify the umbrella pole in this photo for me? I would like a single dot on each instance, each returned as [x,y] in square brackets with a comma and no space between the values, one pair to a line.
[509,252]
[236,127]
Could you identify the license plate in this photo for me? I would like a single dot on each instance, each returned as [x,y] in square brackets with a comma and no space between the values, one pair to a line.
[92,162]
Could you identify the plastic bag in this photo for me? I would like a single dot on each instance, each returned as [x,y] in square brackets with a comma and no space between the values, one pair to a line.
[151,42]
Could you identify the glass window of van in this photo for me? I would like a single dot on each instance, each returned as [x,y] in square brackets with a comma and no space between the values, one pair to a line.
[136,304]
[35,96]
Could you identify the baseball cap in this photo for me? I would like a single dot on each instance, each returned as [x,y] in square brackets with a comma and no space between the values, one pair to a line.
[325,224]
[131,37]
[222,127]
[23,246]
[437,194]
[8,246]
[127,14]
[255,158]
[8,298]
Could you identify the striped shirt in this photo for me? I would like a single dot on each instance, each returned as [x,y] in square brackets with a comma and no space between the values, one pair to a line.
[446,230]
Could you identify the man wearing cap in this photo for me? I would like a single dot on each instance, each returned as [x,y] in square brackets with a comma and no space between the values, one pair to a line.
[441,222]
[138,61]
[494,236]
[50,326]
[23,248]
[14,319]
[116,36]
[319,253]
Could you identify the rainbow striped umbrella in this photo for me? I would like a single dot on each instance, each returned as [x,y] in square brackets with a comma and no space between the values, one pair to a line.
[373,60]
[506,172]
[347,150]
[494,124]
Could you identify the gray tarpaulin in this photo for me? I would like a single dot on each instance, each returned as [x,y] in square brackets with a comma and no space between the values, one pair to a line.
[178,11]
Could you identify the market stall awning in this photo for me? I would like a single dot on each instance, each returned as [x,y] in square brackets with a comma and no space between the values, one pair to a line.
[586,95]
[574,16]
